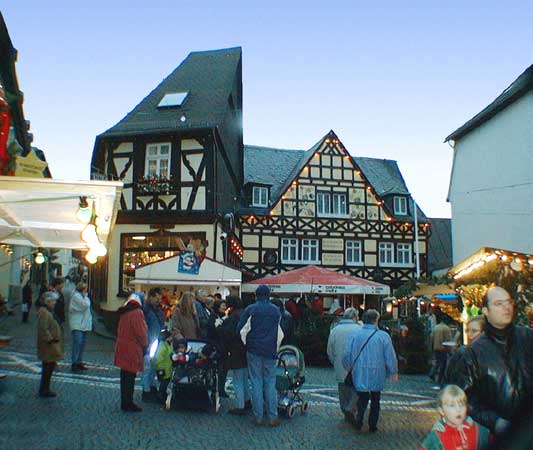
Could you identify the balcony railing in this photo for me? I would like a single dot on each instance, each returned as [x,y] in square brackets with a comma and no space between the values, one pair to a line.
[157,185]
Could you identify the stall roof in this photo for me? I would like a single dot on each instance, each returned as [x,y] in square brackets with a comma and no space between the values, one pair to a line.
[41,212]
[165,272]
[317,280]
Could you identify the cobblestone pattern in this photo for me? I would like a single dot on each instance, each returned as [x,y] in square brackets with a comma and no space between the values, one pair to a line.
[86,415]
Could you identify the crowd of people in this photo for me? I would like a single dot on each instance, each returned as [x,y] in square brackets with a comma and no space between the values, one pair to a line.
[485,385]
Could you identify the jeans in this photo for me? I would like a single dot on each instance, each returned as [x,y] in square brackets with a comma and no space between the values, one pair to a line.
[241,387]
[441,358]
[262,373]
[148,376]
[78,345]
[362,402]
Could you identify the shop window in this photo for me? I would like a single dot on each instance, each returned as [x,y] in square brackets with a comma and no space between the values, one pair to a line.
[138,250]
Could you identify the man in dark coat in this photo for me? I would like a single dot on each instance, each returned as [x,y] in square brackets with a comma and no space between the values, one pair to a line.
[287,323]
[496,370]
[59,310]
[27,300]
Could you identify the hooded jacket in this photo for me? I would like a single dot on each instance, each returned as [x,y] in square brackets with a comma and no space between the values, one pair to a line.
[132,338]
[469,435]
[496,372]
[259,326]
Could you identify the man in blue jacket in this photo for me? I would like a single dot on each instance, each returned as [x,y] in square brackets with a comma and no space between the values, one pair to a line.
[370,356]
[259,326]
[153,315]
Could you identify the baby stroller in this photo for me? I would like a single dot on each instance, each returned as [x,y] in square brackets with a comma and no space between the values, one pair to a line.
[194,380]
[290,377]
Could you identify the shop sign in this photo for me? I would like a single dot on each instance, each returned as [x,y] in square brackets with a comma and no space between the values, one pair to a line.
[330,244]
[332,259]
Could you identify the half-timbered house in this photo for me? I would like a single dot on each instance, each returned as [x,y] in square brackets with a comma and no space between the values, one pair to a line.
[179,153]
[325,207]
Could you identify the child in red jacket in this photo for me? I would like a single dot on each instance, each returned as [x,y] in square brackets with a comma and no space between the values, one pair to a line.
[455,430]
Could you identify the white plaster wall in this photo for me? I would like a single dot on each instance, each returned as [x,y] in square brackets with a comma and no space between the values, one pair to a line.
[492,202]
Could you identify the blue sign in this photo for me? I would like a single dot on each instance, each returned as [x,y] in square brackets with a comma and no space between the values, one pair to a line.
[188,263]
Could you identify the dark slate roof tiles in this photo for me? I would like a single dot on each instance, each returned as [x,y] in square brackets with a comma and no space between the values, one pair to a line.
[208,78]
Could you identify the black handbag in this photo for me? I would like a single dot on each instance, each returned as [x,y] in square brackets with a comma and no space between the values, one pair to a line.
[348,380]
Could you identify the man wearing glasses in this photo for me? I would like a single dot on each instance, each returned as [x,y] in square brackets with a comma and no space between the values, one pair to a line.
[496,370]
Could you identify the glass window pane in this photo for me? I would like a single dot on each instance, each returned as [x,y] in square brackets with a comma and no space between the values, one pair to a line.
[163,168]
[164,149]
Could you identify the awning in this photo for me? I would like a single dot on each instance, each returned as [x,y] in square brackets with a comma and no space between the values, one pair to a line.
[317,280]
[165,272]
[429,290]
[41,212]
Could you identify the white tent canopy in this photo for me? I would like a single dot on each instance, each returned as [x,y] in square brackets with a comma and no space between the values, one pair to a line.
[41,212]
[165,272]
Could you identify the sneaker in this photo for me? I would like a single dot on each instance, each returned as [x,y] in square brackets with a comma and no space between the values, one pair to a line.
[237,411]
[82,366]
[274,423]
[47,394]
[248,404]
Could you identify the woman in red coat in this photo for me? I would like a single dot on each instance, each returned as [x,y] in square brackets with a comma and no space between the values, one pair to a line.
[131,345]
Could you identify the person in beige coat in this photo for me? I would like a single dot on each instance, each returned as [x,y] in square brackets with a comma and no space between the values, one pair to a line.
[184,322]
[49,341]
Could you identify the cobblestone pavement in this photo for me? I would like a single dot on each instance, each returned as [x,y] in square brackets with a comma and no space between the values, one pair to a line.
[86,415]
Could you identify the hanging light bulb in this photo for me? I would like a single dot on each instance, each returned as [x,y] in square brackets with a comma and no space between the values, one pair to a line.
[39,258]
[84,213]
[91,257]
[89,235]
[99,249]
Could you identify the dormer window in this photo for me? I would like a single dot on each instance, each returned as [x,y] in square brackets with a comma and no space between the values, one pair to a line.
[260,196]
[400,206]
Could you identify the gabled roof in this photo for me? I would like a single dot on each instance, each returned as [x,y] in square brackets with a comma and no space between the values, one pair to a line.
[522,85]
[278,168]
[440,245]
[207,77]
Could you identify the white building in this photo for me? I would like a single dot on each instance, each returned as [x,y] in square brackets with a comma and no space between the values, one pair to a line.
[491,185]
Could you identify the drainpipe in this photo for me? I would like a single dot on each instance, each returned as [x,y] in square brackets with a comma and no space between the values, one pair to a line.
[417,255]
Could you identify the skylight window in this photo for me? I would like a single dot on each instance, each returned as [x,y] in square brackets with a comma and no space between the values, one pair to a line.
[172,99]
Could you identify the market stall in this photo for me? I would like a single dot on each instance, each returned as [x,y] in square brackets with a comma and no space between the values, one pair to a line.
[326,283]
[168,273]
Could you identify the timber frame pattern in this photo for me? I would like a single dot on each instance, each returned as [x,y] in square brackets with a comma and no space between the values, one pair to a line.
[329,168]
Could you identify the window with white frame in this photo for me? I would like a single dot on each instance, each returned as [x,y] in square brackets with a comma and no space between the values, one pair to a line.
[309,250]
[403,252]
[400,206]
[386,253]
[157,163]
[289,250]
[331,204]
[354,252]
[259,196]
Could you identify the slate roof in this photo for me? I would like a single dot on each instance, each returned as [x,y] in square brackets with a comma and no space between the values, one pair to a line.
[519,87]
[440,245]
[278,167]
[208,78]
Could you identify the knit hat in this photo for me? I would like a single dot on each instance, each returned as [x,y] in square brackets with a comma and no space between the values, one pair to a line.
[262,292]
[134,298]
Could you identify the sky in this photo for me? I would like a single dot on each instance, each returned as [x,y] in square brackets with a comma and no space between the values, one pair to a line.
[391,78]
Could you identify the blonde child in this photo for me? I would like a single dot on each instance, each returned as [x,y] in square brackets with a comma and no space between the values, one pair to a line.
[455,430]
[163,364]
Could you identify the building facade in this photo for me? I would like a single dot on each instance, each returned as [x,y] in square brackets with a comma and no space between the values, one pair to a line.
[325,207]
[189,182]
[490,186]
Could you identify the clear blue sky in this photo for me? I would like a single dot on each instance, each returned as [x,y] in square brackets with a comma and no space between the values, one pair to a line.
[391,78]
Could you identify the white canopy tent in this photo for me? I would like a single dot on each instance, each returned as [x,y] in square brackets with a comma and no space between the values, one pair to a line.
[41,212]
[165,273]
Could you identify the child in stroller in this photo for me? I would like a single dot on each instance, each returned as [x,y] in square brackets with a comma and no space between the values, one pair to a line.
[290,377]
[193,384]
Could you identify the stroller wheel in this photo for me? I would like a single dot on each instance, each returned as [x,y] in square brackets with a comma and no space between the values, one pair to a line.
[305,407]
[290,411]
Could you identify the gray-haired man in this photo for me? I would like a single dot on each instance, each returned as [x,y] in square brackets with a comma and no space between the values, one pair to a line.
[336,344]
